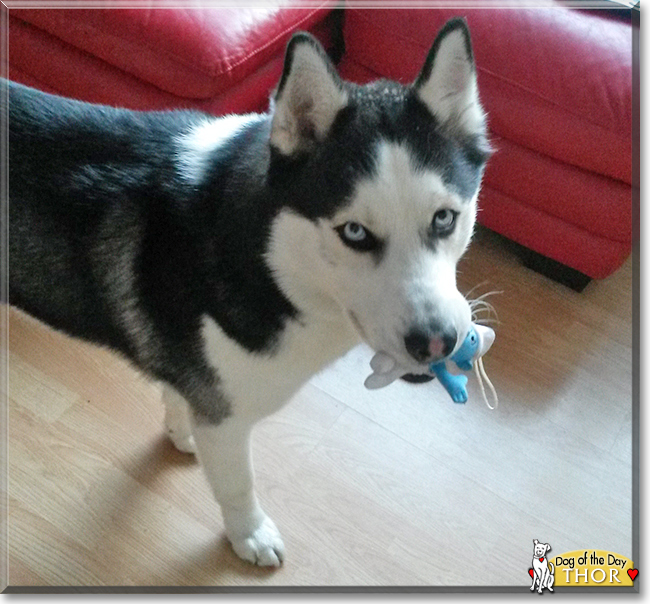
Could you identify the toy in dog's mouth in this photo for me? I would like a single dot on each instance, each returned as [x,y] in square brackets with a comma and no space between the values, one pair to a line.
[468,356]
[407,368]
[486,338]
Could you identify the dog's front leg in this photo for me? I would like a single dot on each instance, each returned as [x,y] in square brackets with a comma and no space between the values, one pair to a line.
[225,453]
[542,580]
[177,420]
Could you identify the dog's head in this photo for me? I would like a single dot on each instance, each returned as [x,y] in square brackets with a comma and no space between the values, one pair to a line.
[381,183]
[540,549]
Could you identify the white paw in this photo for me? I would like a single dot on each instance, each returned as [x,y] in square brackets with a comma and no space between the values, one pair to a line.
[183,442]
[263,546]
[178,428]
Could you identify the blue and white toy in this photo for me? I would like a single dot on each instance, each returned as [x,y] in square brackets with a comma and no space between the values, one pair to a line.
[469,356]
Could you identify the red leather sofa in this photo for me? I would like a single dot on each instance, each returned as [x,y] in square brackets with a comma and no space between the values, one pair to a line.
[556,83]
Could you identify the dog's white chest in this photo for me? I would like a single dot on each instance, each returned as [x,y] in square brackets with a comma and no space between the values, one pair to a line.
[258,384]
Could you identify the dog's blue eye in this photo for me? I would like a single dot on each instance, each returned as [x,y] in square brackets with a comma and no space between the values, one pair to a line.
[353,231]
[443,221]
[358,237]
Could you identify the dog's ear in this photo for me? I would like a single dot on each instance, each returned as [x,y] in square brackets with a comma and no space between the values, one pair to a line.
[447,82]
[535,541]
[308,98]
[548,548]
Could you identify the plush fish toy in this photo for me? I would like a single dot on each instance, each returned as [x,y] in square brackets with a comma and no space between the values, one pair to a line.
[469,356]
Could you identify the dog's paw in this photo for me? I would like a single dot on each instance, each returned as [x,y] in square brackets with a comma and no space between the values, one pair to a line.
[263,546]
[178,429]
[183,442]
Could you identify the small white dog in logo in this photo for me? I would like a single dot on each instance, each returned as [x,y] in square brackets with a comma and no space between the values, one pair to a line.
[542,571]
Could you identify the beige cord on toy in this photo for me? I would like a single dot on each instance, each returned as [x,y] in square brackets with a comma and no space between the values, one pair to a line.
[481,375]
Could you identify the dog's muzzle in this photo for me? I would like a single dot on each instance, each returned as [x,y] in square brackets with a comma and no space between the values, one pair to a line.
[426,345]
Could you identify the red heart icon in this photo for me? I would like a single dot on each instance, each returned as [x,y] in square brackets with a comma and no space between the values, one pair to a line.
[541,559]
[632,572]
[531,572]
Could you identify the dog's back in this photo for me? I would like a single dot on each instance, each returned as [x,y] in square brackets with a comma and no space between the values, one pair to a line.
[80,177]
[113,239]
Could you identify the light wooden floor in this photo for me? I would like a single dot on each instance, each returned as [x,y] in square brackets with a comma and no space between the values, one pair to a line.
[395,487]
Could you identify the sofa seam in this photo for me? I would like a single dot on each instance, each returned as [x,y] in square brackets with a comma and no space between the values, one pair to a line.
[82,28]
[552,215]
[183,101]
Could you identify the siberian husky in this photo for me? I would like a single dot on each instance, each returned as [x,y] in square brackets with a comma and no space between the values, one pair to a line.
[233,258]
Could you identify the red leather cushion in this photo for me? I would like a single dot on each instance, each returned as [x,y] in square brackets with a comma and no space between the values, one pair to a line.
[555,80]
[593,202]
[41,60]
[45,62]
[553,237]
[189,52]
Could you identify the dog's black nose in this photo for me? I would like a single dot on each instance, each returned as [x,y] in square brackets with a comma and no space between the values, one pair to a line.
[448,343]
[429,345]
[417,345]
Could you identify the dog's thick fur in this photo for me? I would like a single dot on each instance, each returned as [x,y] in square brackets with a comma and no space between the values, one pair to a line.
[232,258]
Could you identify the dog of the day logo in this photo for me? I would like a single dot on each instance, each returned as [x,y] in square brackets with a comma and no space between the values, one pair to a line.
[579,568]
[543,571]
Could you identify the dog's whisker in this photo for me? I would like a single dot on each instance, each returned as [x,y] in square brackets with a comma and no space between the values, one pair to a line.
[481,284]
[478,302]
[478,311]
[488,321]
[490,293]
[481,307]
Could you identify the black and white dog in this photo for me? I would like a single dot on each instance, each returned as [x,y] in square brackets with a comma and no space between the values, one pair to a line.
[232,258]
